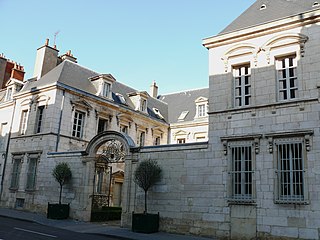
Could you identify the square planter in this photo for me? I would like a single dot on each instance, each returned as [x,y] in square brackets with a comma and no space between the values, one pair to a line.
[58,211]
[145,223]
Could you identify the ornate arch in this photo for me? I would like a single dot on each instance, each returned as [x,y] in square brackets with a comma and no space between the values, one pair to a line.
[111,145]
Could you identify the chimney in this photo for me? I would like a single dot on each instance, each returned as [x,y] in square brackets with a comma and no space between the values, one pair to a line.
[46,60]
[68,55]
[154,90]
[17,72]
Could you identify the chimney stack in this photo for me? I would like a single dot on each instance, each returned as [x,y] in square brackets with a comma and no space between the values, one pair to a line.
[46,60]
[68,55]
[154,90]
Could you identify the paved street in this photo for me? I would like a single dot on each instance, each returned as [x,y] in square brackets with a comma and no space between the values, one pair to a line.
[12,229]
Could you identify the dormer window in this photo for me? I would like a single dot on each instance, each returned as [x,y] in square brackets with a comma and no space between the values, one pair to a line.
[201,107]
[139,99]
[106,89]
[121,98]
[201,110]
[143,105]
[103,84]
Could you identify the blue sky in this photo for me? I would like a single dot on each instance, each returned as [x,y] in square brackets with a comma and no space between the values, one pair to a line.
[137,41]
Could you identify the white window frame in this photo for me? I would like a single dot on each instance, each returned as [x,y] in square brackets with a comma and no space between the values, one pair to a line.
[201,110]
[290,164]
[181,140]
[9,93]
[106,89]
[242,86]
[241,172]
[24,121]
[78,124]
[287,80]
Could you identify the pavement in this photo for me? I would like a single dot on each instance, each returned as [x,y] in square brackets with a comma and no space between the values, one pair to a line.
[107,229]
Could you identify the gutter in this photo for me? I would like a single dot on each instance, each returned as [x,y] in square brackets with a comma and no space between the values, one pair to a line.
[60,119]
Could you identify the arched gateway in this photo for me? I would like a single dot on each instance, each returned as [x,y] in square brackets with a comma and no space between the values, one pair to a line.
[107,153]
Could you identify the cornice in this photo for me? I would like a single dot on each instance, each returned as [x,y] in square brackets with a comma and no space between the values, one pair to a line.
[263,29]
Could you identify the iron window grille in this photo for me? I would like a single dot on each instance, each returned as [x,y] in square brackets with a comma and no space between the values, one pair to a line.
[241,173]
[290,173]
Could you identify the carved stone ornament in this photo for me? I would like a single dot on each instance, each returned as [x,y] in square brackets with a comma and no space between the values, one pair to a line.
[111,151]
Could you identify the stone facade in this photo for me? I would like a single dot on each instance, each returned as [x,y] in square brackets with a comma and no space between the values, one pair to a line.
[258,175]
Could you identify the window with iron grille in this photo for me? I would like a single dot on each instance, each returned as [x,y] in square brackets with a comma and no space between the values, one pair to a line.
[242,85]
[287,78]
[39,120]
[31,174]
[241,173]
[78,124]
[16,169]
[290,172]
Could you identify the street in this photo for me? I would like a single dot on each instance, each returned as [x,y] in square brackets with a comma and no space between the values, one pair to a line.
[12,229]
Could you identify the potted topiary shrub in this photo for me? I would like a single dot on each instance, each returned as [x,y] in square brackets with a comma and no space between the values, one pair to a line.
[147,174]
[62,174]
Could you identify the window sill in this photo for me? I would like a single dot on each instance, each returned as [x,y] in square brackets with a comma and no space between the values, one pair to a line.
[242,201]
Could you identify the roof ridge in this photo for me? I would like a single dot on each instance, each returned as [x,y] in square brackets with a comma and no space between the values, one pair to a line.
[183,91]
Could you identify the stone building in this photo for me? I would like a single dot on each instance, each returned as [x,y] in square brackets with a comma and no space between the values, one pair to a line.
[187,115]
[258,175]
[61,109]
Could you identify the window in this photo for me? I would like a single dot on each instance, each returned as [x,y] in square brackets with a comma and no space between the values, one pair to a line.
[242,86]
[121,98]
[23,123]
[31,174]
[241,173]
[143,105]
[183,115]
[141,138]
[124,129]
[16,168]
[102,125]
[290,172]
[78,124]
[9,94]
[201,110]
[106,89]
[287,78]
[157,141]
[39,120]
[181,140]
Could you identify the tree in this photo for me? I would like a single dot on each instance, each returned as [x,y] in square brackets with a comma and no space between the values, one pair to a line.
[62,174]
[147,174]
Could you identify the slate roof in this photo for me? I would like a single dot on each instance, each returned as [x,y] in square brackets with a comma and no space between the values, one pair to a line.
[275,10]
[76,76]
[183,101]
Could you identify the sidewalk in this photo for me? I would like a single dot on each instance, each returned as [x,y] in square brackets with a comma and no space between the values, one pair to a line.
[93,228]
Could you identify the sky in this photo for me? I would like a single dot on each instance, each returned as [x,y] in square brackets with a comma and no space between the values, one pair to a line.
[137,41]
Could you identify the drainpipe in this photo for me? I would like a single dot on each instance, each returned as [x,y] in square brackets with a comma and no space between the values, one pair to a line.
[60,119]
[7,149]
